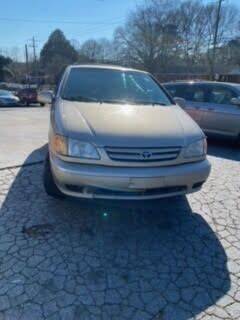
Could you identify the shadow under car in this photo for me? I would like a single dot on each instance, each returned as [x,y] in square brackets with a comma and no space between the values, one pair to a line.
[148,259]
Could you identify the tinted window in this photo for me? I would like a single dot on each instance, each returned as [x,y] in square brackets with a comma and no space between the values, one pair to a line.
[237,86]
[106,85]
[29,91]
[221,95]
[190,92]
[172,90]
[198,94]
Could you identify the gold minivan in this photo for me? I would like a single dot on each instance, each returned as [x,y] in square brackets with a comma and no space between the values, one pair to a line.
[115,133]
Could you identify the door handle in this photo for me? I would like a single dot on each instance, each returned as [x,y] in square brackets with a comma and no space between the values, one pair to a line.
[211,109]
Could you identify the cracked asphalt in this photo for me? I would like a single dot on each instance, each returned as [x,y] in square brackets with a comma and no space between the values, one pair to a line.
[174,259]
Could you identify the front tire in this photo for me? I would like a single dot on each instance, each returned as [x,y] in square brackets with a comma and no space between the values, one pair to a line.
[49,183]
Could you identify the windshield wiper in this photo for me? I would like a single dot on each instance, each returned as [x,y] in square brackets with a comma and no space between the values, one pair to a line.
[118,101]
[81,99]
[131,102]
[153,103]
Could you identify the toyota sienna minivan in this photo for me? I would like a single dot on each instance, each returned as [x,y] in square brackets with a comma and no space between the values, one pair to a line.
[115,133]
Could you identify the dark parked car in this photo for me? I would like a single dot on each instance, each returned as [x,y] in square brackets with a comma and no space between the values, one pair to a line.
[8,99]
[215,106]
[28,96]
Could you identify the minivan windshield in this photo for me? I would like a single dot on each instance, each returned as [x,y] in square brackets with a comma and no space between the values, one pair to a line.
[113,86]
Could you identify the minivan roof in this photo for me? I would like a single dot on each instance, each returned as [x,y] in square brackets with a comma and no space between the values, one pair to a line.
[104,66]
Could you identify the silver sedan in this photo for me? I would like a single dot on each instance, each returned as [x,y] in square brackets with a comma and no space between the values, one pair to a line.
[8,99]
[215,106]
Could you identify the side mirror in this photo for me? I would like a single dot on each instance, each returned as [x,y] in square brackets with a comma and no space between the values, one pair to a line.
[180,101]
[45,97]
[236,101]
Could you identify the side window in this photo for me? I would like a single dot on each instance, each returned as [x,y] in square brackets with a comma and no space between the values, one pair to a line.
[193,93]
[188,92]
[179,90]
[198,94]
[183,91]
[172,90]
[221,95]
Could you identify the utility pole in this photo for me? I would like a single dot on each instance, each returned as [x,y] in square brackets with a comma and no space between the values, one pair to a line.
[33,45]
[216,36]
[27,63]
[26,57]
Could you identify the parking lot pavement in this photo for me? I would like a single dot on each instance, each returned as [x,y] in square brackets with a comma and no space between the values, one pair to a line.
[163,260]
[22,130]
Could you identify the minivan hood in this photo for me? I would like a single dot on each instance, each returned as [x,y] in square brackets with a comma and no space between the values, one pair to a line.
[126,125]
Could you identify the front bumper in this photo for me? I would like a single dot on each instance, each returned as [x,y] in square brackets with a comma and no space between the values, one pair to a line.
[10,104]
[92,181]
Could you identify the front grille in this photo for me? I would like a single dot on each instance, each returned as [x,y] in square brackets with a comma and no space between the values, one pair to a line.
[143,154]
[132,193]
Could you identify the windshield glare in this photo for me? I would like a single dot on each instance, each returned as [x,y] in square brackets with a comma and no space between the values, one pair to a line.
[113,86]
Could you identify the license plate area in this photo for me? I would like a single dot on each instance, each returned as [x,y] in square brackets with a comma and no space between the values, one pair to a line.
[142,184]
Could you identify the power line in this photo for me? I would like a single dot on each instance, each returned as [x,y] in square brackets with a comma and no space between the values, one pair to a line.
[93,30]
[60,21]
[89,32]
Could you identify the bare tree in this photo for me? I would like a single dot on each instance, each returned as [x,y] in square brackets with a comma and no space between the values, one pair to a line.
[228,22]
[149,35]
[191,24]
[162,36]
[92,50]
[232,52]
[15,54]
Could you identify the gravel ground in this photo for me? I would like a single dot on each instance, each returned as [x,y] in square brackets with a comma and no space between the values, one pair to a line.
[173,259]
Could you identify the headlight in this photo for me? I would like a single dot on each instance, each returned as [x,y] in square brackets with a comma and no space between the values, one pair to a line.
[81,149]
[196,149]
[73,148]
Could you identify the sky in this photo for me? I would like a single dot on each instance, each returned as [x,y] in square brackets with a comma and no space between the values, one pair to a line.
[20,20]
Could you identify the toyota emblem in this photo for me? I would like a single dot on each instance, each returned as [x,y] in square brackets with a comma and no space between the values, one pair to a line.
[146,155]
